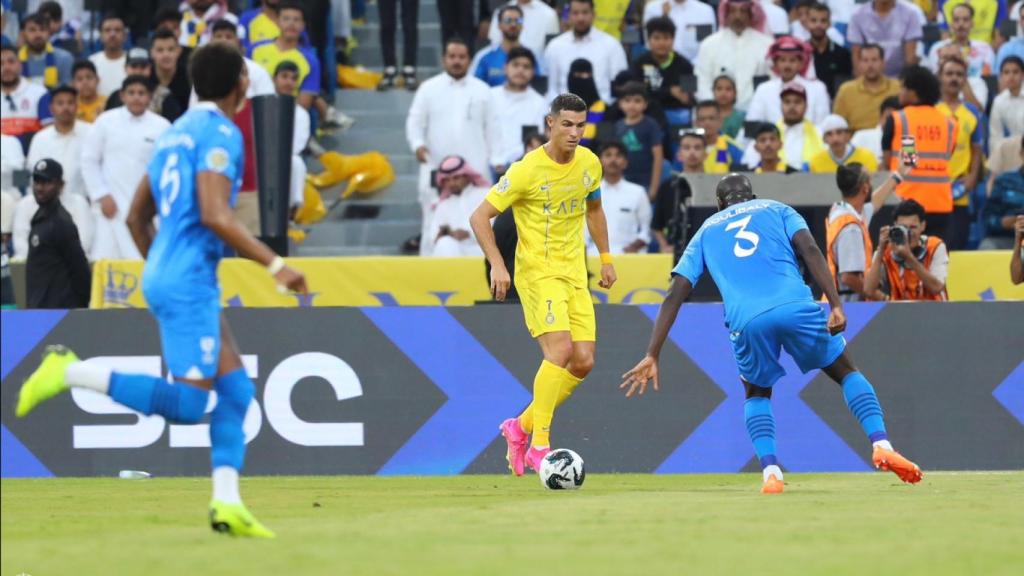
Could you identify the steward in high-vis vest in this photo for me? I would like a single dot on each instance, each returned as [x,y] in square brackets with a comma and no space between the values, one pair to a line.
[848,246]
[934,135]
[908,265]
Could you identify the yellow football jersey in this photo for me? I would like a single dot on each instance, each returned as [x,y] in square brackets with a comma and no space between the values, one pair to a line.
[550,202]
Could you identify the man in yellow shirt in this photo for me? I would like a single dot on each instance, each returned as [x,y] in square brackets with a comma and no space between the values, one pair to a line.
[552,190]
[858,100]
[839,151]
[260,24]
[288,46]
[965,164]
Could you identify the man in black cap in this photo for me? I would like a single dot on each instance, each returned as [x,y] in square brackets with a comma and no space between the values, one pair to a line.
[57,271]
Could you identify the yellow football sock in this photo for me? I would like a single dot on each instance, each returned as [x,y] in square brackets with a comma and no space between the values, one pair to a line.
[568,384]
[546,388]
[526,419]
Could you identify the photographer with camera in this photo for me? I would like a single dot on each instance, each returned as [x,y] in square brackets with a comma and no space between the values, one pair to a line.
[908,265]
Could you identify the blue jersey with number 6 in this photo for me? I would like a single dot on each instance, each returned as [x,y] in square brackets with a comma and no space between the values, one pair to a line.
[183,259]
[748,251]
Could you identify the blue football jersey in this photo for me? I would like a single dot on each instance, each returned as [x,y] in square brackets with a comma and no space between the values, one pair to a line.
[185,254]
[747,249]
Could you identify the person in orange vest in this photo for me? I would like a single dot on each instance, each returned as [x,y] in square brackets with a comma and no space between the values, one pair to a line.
[934,135]
[848,247]
[908,265]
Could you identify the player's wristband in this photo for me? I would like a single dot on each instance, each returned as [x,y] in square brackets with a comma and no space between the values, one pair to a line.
[276,265]
[897,177]
[606,258]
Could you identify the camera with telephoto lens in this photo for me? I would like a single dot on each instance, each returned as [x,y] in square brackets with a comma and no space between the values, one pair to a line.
[898,234]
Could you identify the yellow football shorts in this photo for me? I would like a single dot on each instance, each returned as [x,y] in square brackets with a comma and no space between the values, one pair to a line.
[554,305]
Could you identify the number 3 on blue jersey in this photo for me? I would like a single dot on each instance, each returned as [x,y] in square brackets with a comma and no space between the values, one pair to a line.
[743,234]
[170,184]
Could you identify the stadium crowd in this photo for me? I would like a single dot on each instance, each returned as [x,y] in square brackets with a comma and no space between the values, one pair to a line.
[783,87]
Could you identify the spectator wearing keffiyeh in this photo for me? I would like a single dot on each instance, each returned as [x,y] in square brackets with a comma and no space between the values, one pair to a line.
[197,18]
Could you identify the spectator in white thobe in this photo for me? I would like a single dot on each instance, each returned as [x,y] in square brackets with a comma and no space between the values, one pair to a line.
[738,49]
[626,205]
[513,107]
[62,141]
[114,159]
[790,59]
[462,190]
[604,52]
[449,116]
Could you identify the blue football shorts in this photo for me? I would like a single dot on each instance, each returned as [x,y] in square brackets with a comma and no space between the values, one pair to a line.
[799,328]
[189,333]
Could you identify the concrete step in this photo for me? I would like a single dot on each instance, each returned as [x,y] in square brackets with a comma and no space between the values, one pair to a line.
[365,138]
[427,14]
[362,232]
[369,35]
[378,119]
[341,251]
[371,56]
[393,101]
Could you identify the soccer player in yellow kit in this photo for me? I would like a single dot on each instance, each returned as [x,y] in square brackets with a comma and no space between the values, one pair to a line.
[552,189]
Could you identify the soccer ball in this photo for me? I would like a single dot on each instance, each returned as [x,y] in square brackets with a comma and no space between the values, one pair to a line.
[562,469]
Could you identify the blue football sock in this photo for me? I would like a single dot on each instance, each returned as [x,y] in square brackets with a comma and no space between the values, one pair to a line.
[179,402]
[862,401]
[227,438]
[761,426]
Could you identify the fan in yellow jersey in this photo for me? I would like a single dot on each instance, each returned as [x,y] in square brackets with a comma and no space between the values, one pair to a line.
[552,189]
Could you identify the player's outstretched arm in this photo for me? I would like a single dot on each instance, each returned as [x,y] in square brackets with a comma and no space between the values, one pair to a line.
[597,225]
[636,379]
[808,250]
[140,217]
[480,221]
[214,189]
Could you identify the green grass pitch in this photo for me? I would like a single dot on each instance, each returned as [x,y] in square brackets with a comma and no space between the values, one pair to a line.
[951,523]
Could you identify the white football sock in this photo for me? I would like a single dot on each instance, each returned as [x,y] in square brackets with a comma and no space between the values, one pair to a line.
[88,375]
[772,470]
[225,485]
[883,444]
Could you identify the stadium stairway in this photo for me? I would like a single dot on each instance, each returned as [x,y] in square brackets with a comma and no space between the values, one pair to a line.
[381,223]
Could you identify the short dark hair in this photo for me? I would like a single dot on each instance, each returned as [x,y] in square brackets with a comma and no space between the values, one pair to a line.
[509,8]
[521,52]
[1012,60]
[923,82]
[63,89]
[8,48]
[850,178]
[613,144]
[873,46]
[590,2]
[37,18]
[454,40]
[165,14]
[291,5]
[224,24]
[633,88]
[819,7]
[286,66]
[51,10]
[955,59]
[909,208]
[214,70]
[83,65]
[662,24]
[137,79]
[963,5]
[111,16]
[567,101]
[890,102]
[766,128]
[709,104]
[163,34]
[699,135]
